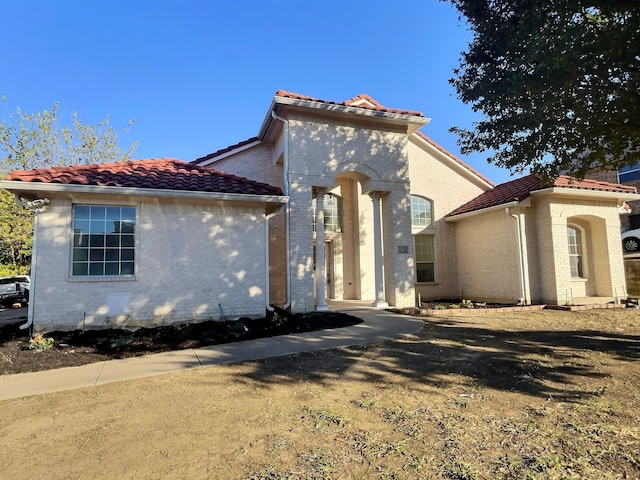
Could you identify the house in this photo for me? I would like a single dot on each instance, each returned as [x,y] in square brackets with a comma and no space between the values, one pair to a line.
[145,242]
[397,219]
[630,223]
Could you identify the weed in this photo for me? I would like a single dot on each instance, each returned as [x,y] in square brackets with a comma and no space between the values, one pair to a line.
[369,401]
[460,471]
[268,473]
[320,462]
[40,343]
[324,417]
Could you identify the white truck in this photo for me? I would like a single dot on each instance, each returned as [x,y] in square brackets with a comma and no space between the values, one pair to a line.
[14,289]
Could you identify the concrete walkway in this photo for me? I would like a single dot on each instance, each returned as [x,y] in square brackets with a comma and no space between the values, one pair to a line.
[377,326]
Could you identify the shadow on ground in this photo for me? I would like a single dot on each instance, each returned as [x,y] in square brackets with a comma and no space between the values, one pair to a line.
[556,364]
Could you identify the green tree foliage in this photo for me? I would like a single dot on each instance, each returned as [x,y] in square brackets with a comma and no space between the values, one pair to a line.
[39,140]
[16,229]
[557,82]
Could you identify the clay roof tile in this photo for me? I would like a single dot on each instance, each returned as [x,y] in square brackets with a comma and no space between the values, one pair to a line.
[160,173]
[521,188]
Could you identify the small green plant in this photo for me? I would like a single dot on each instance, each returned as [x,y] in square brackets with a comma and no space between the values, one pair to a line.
[182,330]
[238,328]
[40,343]
[324,417]
[122,341]
[467,304]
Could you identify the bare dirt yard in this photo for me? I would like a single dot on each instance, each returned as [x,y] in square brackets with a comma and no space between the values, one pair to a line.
[531,395]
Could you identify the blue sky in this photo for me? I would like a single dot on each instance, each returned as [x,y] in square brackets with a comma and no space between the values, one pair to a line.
[198,76]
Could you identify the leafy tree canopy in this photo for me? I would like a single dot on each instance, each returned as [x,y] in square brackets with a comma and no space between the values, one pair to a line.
[38,140]
[557,82]
[16,229]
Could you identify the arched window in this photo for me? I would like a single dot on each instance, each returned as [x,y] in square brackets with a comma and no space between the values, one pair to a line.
[332,213]
[421,212]
[574,238]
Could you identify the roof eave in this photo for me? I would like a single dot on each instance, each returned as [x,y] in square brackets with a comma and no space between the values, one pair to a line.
[29,188]
[412,122]
[229,153]
[482,211]
[585,193]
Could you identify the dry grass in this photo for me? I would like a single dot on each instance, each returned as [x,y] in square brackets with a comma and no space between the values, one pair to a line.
[538,395]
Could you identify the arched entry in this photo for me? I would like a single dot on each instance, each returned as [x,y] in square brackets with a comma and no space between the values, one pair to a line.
[351,264]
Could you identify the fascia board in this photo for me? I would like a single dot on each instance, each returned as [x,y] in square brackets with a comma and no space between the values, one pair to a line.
[413,122]
[482,211]
[43,188]
[230,153]
[583,193]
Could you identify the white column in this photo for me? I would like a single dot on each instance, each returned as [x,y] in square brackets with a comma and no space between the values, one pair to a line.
[321,275]
[379,302]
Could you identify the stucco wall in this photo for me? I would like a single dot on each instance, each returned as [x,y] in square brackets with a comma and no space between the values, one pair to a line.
[193,262]
[432,177]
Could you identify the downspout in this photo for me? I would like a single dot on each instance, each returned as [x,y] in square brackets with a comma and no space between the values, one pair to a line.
[523,299]
[266,238]
[287,216]
[37,206]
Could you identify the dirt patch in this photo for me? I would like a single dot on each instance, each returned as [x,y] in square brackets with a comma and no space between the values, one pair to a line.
[537,395]
[20,353]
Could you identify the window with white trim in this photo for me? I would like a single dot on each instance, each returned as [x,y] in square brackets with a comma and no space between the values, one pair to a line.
[574,238]
[421,212]
[103,241]
[332,213]
[424,257]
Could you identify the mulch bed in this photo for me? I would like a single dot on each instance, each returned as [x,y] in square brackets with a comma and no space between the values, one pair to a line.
[75,348]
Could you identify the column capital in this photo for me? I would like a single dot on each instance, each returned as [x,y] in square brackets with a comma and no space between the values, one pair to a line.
[376,195]
[319,191]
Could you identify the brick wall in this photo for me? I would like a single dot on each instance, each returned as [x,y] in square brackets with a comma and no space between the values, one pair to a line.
[432,176]
[193,262]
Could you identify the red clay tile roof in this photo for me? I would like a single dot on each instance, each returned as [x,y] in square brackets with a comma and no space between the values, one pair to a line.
[453,157]
[160,173]
[361,101]
[224,150]
[520,188]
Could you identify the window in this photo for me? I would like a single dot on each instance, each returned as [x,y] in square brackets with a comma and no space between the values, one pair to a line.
[628,174]
[421,212]
[425,271]
[103,240]
[332,213]
[575,252]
